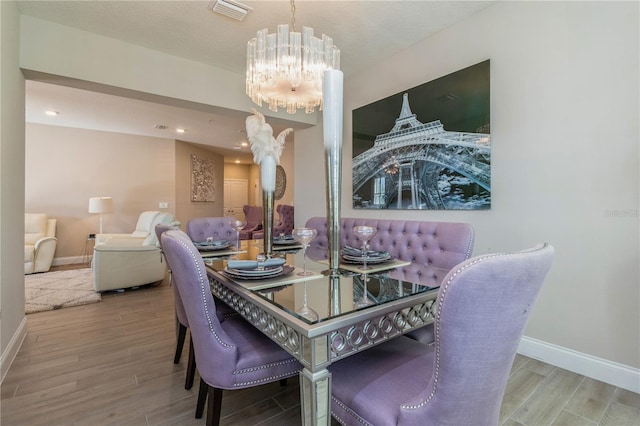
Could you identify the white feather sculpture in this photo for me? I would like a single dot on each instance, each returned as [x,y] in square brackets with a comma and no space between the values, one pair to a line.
[266,149]
[260,135]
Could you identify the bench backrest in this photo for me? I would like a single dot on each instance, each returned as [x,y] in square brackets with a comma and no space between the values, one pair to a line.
[436,244]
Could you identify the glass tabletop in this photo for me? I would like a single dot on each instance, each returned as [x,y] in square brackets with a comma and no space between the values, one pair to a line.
[328,297]
[353,292]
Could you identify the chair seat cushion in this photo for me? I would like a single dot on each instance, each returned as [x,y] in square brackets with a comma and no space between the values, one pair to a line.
[402,362]
[256,351]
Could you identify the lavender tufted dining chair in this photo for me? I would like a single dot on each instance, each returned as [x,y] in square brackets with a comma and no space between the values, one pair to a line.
[231,354]
[181,319]
[253,217]
[223,311]
[284,225]
[482,308]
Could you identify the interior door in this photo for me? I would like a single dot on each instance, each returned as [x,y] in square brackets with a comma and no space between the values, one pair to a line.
[235,197]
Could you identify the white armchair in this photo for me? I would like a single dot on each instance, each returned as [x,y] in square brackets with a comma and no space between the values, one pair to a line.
[130,260]
[39,242]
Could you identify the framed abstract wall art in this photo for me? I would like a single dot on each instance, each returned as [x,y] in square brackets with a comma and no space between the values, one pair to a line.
[428,147]
[203,179]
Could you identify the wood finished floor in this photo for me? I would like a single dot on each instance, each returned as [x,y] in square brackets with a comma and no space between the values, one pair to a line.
[110,363]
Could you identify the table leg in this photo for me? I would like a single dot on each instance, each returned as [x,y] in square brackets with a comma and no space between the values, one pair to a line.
[315,397]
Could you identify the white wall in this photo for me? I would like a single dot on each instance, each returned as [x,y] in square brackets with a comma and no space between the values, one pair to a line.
[564,126]
[12,318]
[64,167]
[51,48]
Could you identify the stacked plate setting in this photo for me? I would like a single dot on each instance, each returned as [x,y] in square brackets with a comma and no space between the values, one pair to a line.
[254,274]
[251,271]
[284,240]
[354,256]
[214,245]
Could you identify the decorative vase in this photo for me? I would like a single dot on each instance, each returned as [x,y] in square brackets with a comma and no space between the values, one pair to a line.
[266,152]
[268,167]
[332,117]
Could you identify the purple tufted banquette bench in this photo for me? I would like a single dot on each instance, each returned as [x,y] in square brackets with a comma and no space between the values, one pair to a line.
[199,228]
[434,248]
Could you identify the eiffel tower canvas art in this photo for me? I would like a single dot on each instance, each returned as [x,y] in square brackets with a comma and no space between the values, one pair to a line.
[426,148]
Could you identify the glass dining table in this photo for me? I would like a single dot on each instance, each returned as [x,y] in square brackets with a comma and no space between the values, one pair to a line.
[354,310]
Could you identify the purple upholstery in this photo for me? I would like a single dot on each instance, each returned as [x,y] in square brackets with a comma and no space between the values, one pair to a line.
[284,225]
[219,228]
[223,311]
[180,314]
[437,244]
[181,317]
[231,354]
[482,308]
[253,216]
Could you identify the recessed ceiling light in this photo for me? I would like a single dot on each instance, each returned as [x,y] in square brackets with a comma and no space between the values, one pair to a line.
[244,144]
[237,147]
[51,113]
[181,131]
[237,161]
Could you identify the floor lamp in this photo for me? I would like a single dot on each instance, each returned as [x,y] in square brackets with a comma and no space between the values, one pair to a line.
[100,205]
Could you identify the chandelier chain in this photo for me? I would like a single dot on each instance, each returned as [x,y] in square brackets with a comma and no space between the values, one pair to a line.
[293,16]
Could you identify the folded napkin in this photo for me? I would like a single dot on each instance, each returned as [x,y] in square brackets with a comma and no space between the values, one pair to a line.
[253,264]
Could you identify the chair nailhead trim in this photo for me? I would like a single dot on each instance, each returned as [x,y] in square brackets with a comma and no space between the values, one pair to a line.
[350,411]
[266,379]
[195,259]
[437,326]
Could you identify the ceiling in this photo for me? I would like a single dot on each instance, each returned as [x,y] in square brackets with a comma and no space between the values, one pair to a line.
[365,31]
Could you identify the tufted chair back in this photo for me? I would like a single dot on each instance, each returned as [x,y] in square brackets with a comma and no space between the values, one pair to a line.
[253,216]
[180,313]
[284,225]
[436,244]
[219,228]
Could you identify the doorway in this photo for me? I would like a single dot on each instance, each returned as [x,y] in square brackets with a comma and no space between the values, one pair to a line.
[235,197]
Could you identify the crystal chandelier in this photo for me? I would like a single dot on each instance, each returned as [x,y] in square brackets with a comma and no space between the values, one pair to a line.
[285,69]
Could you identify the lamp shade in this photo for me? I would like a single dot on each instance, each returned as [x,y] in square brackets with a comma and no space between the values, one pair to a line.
[100,205]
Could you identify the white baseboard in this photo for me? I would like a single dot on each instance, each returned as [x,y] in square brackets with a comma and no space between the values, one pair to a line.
[71,260]
[12,348]
[619,375]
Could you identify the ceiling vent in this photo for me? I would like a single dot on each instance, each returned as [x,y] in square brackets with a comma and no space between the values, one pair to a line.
[230,8]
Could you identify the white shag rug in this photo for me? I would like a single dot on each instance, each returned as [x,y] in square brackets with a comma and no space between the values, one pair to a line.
[60,289]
